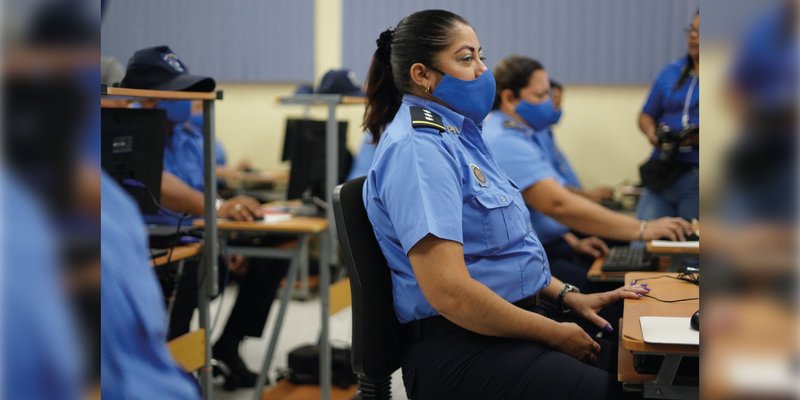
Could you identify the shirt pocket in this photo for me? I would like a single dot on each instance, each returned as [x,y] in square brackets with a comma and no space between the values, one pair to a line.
[503,222]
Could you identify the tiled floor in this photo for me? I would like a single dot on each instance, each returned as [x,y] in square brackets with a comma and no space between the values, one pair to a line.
[301,326]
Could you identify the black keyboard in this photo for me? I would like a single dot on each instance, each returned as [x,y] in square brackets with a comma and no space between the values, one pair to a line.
[625,258]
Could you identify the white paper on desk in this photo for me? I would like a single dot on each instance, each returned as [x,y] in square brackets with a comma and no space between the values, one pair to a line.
[668,330]
[276,218]
[668,243]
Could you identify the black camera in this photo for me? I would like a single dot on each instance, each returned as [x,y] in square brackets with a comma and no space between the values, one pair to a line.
[670,140]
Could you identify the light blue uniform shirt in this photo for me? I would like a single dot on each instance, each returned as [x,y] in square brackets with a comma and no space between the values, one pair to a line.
[557,159]
[364,158]
[521,157]
[135,362]
[41,351]
[446,183]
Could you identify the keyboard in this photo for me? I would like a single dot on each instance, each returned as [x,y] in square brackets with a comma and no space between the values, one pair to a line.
[625,258]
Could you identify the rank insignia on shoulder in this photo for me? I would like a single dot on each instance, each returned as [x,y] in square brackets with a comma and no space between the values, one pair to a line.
[510,123]
[424,118]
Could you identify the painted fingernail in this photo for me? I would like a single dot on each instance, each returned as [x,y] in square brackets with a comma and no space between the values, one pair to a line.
[639,294]
[608,328]
[633,282]
[644,284]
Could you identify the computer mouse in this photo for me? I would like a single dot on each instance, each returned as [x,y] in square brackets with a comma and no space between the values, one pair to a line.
[692,237]
[695,321]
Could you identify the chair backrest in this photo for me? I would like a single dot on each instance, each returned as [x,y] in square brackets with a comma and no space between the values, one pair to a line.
[377,348]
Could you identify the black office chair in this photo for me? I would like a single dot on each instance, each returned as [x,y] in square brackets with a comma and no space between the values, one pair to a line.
[377,347]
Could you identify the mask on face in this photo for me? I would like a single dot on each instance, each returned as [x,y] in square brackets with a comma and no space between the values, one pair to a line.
[472,99]
[177,111]
[197,120]
[556,117]
[538,116]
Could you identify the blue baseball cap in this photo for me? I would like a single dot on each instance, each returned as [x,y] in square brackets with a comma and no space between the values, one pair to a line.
[340,81]
[160,68]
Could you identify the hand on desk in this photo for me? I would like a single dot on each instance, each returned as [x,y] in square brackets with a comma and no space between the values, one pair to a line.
[588,305]
[240,208]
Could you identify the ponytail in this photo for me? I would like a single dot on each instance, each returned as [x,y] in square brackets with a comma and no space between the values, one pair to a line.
[383,98]
[417,39]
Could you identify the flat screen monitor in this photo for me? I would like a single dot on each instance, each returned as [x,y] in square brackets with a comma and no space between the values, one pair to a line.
[306,139]
[132,147]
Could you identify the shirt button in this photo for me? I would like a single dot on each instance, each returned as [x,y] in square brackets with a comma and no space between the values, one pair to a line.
[502,198]
[530,227]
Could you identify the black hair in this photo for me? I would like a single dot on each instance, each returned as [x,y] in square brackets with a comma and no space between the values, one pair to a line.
[514,73]
[418,38]
[688,68]
[555,85]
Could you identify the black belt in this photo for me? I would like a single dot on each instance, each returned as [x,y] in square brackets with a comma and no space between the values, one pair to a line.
[426,328]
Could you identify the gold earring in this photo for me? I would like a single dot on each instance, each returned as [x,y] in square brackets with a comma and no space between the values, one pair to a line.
[428,88]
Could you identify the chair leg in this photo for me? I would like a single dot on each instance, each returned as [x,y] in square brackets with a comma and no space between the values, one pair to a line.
[375,388]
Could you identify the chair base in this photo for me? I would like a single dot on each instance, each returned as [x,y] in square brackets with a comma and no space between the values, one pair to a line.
[375,389]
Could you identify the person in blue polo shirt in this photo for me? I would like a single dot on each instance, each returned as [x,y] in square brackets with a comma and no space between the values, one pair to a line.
[457,236]
[522,109]
[671,176]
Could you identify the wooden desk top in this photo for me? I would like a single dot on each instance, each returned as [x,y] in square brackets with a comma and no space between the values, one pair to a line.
[625,370]
[665,289]
[596,273]
[294,225]
[671,250]
[161,94]
[178,253]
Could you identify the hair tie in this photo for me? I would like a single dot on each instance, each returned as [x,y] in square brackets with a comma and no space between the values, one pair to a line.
[385,39]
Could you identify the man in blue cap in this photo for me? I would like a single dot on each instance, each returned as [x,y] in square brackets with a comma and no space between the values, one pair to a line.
[159,68]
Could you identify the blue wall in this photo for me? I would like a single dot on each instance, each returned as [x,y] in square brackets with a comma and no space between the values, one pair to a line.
[579,41]
[230,40]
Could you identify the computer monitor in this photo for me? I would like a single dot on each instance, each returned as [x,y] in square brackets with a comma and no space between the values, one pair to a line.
[132,147]
[306,139]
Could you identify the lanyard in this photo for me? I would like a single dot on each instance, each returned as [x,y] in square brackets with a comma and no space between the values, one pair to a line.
[689,92]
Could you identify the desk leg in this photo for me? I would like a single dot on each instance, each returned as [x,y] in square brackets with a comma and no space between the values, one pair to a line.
[285,297]
[324,286]
[663,387]
[304,293]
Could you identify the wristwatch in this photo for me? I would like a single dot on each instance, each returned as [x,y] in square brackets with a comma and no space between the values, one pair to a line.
[564,290]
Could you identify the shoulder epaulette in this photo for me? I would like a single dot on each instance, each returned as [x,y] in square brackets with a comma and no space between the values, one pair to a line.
[424,118]
[510,123]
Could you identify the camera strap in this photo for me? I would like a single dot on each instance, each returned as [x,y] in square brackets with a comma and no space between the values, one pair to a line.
[689,92]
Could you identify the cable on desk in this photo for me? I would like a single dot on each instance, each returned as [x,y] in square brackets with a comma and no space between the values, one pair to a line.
[670,301]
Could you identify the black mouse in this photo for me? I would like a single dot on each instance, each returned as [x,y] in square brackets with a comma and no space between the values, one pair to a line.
[692,237]
[695,321]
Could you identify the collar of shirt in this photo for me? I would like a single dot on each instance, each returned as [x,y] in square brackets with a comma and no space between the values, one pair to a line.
[446,113]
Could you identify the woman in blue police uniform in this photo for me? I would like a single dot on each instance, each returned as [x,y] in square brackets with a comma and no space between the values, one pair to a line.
[673,109]
[456,234]
[522,111]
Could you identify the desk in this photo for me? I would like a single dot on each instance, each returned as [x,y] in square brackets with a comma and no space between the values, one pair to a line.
[303,228]
[672,250]
[177,253]
[631,339]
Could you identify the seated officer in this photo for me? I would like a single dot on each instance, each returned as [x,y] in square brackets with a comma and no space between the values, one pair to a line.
[182,190]
[522,107]
[557,158]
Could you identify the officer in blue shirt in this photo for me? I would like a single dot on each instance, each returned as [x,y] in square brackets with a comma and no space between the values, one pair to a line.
[182,188]
[557,157]
[135,360]
[363,160]
[456,235]
[523,106]
[672,188]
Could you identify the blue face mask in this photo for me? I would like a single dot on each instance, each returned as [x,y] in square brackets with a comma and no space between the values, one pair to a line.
[537,116]
[177,111]
[556,117]
[472,99]
[197,120]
